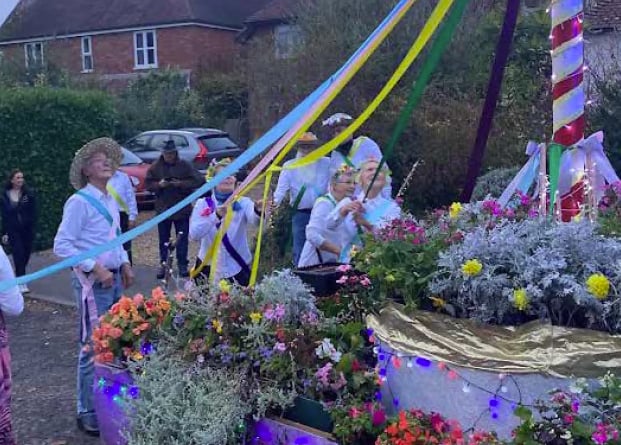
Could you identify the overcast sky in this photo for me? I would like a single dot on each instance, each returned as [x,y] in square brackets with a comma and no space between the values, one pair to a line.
[6,6]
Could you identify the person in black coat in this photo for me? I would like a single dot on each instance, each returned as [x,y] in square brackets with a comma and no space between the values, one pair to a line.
[18,210]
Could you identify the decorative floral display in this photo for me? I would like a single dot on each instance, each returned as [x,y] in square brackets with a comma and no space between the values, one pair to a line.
[126,331]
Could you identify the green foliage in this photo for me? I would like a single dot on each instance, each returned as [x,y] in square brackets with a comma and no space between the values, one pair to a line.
[607,115]
[493,183]
[222,96]
[181,405]
[40,130]
[160,100]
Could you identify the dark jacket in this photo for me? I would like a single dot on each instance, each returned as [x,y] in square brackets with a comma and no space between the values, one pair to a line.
[23,216]
[167,197]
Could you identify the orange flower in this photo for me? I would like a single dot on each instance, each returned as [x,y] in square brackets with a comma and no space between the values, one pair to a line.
[157,293]
[114,310]
[164,305]
[116,333]
[144,326]
[125,304]
[136,331]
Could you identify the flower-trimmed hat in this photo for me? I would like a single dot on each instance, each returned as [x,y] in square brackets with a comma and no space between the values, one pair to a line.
[337,119]
[214,164]
[107,146]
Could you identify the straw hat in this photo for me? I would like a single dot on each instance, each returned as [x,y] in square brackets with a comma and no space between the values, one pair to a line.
[308,139]
[101,145]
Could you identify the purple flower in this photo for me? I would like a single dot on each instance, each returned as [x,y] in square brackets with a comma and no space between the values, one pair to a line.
[280,347]
[323,374]
[279,312]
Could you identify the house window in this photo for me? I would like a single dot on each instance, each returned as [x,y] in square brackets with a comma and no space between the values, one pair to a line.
[34,54]
[87,54]
[287,39]
[145,50]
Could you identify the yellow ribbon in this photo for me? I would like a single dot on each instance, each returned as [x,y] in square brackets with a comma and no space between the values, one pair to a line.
[257,251]
[117,198]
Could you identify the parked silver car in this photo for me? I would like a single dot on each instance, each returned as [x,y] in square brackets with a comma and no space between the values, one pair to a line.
[195,145]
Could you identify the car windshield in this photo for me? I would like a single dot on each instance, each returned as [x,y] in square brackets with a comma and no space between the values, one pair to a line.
[217,143]
[129,158]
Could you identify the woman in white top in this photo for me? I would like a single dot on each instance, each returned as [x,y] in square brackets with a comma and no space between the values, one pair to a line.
[11,303]
[330,229]
[234,257]
[378,210]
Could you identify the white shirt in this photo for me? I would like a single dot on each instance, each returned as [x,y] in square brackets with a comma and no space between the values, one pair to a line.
[83,228]
[11,300]
[122,183]
[366,149]
[325,224]
[316,177]
[380,211]
[205,228]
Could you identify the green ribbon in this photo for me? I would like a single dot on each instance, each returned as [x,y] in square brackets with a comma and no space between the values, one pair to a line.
[554,164]
[418,86]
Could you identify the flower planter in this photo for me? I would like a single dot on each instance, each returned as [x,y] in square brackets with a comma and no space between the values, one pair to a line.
[112,388]
[269,431]
[321,278]
[477,374]
[310,413]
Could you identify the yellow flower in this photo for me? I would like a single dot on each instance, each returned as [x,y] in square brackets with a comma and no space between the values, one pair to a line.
[255,317]
[520,299]
[137,356]
[224,286]
[390,278]
[217,325]
[472,268]
[454,210]
[438,302]
[598,285]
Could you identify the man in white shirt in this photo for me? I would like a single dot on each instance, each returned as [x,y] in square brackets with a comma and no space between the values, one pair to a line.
[122,190]
[354,151]
[91,218]
[304,185]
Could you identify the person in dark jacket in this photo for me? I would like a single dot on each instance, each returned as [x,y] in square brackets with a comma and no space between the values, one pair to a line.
[18,221]
[173,179]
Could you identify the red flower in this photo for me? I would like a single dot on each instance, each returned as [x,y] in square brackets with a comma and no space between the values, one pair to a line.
[355,366]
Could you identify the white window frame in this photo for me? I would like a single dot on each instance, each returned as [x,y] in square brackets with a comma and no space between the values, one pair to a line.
[86,54]
[33,45]
[145,50]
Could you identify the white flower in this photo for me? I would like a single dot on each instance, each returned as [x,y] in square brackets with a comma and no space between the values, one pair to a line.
[578,386]
[327,350]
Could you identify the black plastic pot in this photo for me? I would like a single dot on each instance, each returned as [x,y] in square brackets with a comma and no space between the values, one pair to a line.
[310,413]
[321,278]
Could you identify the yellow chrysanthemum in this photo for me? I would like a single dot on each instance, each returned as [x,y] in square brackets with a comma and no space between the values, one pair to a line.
[137,356]
[217,325]
[472,268]
[520,299]
[224,286]
[255,317]
[598,285]
[454,210]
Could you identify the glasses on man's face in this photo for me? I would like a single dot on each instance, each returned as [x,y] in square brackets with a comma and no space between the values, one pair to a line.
[346,182]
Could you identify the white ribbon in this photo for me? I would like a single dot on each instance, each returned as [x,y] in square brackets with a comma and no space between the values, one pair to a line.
[525,177]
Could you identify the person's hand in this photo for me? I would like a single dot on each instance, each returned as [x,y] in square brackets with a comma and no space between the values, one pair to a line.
[221,211]
[127,275]
[354,206]
[5,239]
[163,183]
[131,224]
[103,275]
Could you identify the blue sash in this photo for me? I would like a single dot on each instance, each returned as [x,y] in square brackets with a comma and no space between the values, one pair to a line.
[100,208]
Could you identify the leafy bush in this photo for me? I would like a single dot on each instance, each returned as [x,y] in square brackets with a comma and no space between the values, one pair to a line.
[493,183]
[567,273]
[160,100]
[40,130]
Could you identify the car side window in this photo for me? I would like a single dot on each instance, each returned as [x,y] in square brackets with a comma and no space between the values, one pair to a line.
[180,141]
[159,140]
[139,143]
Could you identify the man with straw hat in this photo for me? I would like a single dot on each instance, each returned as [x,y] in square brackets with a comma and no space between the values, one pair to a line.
[304,185]
[91,218]
[354,151]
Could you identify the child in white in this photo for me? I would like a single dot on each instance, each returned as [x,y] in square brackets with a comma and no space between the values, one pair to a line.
[328,232]
[234,257]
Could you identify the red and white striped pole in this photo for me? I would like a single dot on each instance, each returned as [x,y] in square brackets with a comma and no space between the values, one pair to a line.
[568,89]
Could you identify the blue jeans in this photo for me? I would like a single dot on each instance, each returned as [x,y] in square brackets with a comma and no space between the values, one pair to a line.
[298,230]
[104,299]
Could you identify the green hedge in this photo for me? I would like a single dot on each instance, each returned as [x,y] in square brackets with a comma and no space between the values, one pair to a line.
[40,130]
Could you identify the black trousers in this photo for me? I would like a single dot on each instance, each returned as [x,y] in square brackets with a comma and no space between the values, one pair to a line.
[163,230]
[20,240]
[124,228]
[242,278]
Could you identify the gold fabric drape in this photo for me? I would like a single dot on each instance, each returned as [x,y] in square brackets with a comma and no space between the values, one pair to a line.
[533,347]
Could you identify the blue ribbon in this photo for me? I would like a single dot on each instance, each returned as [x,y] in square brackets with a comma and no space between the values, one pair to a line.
[253,151]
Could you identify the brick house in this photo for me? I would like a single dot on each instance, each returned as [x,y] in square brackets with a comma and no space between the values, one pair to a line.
[117,40]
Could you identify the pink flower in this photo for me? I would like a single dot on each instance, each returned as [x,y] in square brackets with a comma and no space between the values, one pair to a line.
[509,213]
[365,281]
[378,417]
[568,418]
[206,211]
[342,280]
[340,383]
[268,314]
[280,347]
[355,413]
[323,373]
[279,312]
[344,268]
[575,406]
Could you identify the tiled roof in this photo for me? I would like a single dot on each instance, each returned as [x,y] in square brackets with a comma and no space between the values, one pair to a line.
[275,10]
[44,18]
[603,14]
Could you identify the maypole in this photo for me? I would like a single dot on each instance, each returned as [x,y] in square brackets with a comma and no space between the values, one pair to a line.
[568,96]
